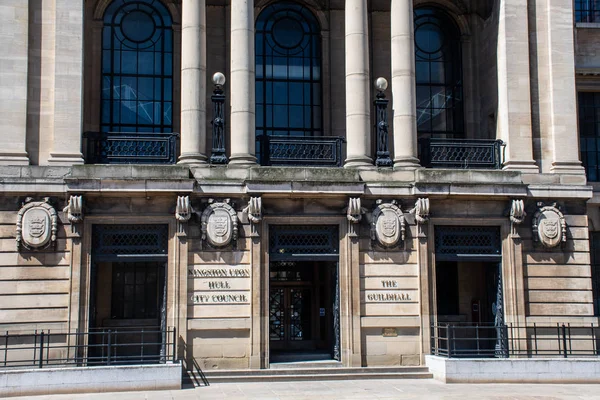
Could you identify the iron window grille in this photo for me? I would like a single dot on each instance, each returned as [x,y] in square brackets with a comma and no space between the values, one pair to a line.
[118,242]
[131,148]
[289,242]
[305,151]
[456,243]
[587,11]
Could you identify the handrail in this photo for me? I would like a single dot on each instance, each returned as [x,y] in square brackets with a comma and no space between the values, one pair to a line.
[461,153]
[101,346]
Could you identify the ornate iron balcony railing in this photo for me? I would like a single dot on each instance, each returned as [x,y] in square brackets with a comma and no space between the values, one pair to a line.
[131,148]
[301,151]
[461,153]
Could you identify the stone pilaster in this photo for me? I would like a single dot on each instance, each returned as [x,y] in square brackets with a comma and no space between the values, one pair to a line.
[193,83]
[556,82]
[68,83]
[14,16]
[403,84]
[243,118]
[514,100]
[358,105]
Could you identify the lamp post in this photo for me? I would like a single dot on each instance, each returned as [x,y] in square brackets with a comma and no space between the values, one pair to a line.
[218,155]
[381,124]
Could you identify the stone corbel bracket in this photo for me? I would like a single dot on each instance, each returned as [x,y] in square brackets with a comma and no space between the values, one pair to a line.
[254,210]
[421,210]
[74,209]
[37,225]
[183,209]
[355,211]
[388,225]
[219,223]
[517,212]
[549,225]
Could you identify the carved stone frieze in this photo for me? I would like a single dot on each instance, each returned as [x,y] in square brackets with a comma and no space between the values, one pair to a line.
[74,209]
[388,226]
[549,226]
[517,212]
[219,223]
[254,210]
[37,224]
[183,209]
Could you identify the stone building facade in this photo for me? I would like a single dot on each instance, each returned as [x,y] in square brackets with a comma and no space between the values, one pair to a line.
[297,221]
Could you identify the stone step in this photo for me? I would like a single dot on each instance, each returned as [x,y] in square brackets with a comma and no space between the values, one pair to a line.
[305,376]
[306,364]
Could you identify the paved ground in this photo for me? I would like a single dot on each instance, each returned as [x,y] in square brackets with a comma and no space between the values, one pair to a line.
[355,389]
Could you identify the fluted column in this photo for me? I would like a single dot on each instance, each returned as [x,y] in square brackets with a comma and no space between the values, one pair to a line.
[243,118]
[403,84]
[358,105]
[193,83]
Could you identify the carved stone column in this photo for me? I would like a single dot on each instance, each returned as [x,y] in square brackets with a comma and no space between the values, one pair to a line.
[193,83]
[403,84]
[243,118]
[358,111]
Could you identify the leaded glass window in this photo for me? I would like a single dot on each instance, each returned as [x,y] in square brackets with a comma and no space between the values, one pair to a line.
[589,133]
[137,67]
[438,74]
[288,72]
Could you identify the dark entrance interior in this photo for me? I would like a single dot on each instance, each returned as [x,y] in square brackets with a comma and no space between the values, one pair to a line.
[468,288]
[303,294]
[128,294]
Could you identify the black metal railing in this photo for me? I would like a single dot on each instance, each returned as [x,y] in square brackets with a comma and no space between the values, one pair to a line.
[317,151]
[131,148]
[485,341]
[587,11]
[461,153]
[97,347]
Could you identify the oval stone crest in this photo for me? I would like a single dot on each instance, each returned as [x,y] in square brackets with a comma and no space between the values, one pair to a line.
[388,225]
[219,224]
[36,225]
[549,226]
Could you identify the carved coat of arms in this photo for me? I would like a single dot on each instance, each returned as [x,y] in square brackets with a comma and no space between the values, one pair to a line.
[549,226]
[388,224]
[36,225]
[219,224]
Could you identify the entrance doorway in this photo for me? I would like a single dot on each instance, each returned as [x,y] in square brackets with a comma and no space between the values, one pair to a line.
[303,294]
[127,314]
[469,291]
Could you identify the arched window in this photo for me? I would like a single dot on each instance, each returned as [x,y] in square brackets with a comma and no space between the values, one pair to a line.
[438,75]
[288,72]
[137,67]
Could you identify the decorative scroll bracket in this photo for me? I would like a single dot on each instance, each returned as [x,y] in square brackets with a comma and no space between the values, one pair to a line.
[183,213]
[254,212]
[74,211]
[37,225]
[354,213]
